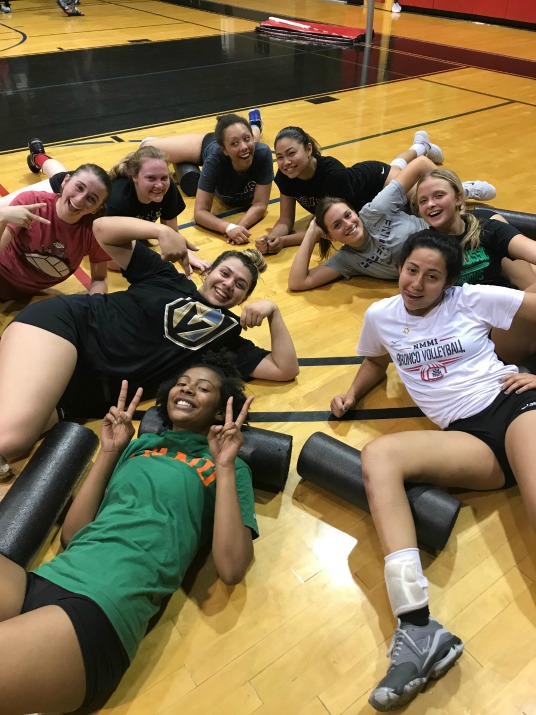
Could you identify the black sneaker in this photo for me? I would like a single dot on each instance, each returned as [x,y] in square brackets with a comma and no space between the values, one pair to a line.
[36,147]
[418,653]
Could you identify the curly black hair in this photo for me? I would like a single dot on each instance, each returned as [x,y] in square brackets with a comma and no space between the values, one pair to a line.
[447,246]
[223,364]
[224,121]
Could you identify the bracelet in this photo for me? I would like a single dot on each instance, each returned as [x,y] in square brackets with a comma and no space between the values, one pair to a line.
[230,227]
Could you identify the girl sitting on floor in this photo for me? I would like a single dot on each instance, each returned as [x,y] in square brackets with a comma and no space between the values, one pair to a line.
[437,336]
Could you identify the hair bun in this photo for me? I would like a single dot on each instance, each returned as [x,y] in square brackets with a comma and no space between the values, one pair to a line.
[256,258]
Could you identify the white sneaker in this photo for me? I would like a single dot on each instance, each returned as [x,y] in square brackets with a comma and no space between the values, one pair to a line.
[433,152]
[5,470]
[5,8]
[479,190]
[396,7]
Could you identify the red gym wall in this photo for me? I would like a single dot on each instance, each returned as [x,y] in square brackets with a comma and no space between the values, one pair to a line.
[519,10]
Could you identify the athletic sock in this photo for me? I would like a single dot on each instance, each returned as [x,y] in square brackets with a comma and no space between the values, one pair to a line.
[418,617]
[40,159]
[419,149]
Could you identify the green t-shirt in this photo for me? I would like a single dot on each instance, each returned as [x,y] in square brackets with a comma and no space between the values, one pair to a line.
[157,511]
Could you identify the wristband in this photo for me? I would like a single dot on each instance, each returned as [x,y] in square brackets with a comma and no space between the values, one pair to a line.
[230,227]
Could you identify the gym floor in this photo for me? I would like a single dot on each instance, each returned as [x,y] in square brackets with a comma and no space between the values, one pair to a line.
[307,631]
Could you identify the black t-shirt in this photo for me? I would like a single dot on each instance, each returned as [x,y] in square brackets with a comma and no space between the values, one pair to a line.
[160,324]
[357,185]
[483,264]
[123,200]
[218,176]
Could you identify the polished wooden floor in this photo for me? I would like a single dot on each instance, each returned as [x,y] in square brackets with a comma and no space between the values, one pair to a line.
[307,631]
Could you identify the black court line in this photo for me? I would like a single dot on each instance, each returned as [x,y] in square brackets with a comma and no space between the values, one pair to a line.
[22,40]
[388,413]
[415,126]
[353,360]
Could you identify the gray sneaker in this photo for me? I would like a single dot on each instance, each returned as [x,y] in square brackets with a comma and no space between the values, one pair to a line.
[479,190]
[418,653]
[433,152]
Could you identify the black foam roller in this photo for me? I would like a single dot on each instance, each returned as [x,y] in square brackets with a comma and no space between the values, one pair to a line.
[188,177]
[266,453]
[336,467]
[526,223]
[34,502]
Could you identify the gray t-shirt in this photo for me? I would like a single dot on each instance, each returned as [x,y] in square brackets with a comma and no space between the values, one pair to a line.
[388,226]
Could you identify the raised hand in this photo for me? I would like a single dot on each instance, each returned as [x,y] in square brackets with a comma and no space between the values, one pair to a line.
[117,429]
[225,440]
[20,215]
[254,313]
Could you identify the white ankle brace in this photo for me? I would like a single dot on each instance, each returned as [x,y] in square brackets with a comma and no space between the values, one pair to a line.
[407,587]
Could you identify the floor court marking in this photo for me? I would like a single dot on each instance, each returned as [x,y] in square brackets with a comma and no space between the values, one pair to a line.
[23,35]
[386,413]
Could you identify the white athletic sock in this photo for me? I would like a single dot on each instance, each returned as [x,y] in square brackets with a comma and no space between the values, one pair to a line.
[419,149]
[407,586]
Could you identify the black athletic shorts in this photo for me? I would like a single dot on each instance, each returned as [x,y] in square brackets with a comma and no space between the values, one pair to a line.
[208,139]
[87,394]
[105,659]
[490,425]
[369,178]
[55,315]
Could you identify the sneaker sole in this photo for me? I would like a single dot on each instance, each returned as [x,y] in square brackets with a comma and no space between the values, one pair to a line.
[32,165]
[385,699]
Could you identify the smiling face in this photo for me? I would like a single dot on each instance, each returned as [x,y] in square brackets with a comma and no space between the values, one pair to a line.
[344,225]
[294,159]
[152,181]
[239,146]
[227,284]
[81,194]
[440,206]
[194,402]
[422,280]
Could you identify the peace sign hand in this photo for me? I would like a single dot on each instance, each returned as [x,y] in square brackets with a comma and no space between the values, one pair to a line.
[225,440]
[117,429]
